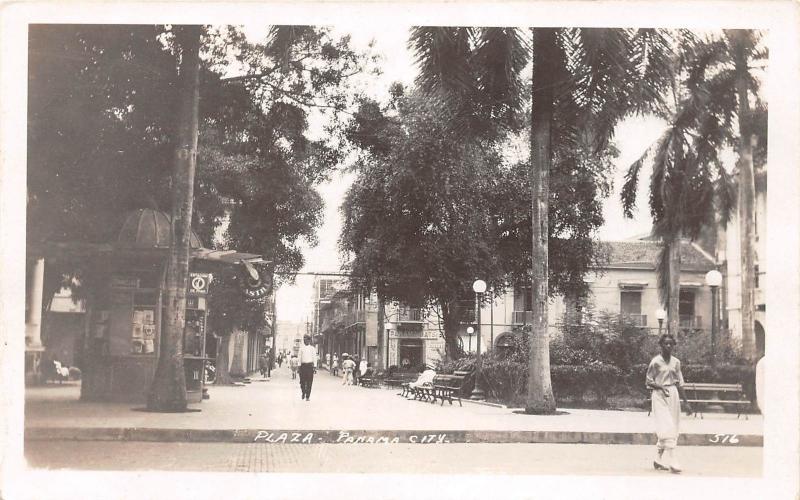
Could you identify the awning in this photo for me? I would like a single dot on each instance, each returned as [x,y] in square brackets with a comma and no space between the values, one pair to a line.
[226,256]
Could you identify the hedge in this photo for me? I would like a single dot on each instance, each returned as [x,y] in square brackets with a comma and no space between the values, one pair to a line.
[506,380]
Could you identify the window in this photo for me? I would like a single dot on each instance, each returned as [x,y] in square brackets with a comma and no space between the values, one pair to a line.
[755,275]
[630,307]
[686,303]
[523,299]
[686,310]
[631,303]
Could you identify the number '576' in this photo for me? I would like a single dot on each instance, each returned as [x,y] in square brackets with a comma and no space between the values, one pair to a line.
[724,438]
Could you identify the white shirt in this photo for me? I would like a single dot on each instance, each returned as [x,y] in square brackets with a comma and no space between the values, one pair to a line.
[308,354]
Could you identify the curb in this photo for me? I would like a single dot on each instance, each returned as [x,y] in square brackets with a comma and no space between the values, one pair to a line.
[305,436]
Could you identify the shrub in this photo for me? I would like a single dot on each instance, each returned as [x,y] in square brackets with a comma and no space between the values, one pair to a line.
[575,380]
[74,373]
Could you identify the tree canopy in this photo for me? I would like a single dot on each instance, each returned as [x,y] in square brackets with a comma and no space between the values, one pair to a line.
[102,101]
[431,210]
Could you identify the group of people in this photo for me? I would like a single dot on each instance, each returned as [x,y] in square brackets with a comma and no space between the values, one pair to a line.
[351,367]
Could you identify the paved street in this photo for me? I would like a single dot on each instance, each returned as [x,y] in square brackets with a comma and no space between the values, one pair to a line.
[398,458]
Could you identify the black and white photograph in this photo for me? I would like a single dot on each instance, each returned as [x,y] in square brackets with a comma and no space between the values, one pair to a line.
[425,252]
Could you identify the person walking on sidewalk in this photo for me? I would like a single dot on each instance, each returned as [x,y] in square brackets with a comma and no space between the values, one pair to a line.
[335,365]
[356,367]
[665,380]
[262,364]
[294,363]
[308,358]
[348,365]
[362,367]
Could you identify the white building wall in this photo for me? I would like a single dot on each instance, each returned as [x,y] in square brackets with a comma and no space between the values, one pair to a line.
[733,265]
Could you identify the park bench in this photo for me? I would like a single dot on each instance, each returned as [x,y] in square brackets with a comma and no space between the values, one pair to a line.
[449,386]
[701,395]
[402,380]
[706,394]
[372,379]
[425,392]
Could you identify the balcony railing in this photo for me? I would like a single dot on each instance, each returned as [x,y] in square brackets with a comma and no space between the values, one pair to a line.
[635,319]
[410,315]
[522,317]
[685,321]
[356,317]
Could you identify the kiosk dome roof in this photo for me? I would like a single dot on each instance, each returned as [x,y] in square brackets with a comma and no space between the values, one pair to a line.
[148,228]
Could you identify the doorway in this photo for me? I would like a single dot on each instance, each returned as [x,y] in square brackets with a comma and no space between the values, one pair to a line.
[410,354]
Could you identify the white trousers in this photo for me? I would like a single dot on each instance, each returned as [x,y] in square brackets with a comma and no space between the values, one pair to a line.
[667,413]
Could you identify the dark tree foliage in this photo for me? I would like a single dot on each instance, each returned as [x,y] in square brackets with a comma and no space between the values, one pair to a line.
[102,104]
[429,211]
[418,219]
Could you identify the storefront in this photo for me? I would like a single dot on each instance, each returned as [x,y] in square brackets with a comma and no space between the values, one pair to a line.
[410,348]
[125,309]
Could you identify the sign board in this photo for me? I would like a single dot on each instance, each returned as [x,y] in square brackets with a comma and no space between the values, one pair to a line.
[120,281]
[198,283]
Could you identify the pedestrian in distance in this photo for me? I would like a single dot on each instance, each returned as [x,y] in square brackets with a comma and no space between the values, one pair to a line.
[294,363]
[308,358]
[280,359]
[263,360]
[356,369]
[665,380]
[362,367]
[348,366]
[335,366]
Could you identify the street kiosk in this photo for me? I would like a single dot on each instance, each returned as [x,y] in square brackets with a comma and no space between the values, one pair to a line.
[124,308]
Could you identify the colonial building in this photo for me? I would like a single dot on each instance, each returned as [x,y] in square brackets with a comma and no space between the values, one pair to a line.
[627,286]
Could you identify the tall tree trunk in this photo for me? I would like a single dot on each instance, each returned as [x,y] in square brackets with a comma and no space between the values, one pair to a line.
[168,391]
[382,362]
[223,365]
[451,316]
[746,196]
[540,391]
[674,291]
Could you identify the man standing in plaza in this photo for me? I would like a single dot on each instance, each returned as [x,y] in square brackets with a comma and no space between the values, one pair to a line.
[308,356]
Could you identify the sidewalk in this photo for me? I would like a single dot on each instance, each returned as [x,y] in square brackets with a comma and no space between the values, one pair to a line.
[263,410]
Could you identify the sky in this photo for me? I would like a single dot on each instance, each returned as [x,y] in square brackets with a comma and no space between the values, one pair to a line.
[632,137]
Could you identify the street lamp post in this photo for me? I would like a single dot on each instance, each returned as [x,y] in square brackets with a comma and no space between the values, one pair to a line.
[478,286]
[660,315]
[388,327]
[714,280]
[470,331]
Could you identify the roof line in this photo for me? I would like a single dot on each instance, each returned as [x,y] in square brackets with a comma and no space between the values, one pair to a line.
[703,252]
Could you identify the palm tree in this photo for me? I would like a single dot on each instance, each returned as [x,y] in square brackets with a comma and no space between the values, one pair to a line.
[742,49]
[683,188]
[687,173]
[596,76]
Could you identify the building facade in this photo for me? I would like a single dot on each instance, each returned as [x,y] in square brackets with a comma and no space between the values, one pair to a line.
[729,256]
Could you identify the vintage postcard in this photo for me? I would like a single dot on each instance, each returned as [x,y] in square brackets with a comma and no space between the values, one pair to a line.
[395,250]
